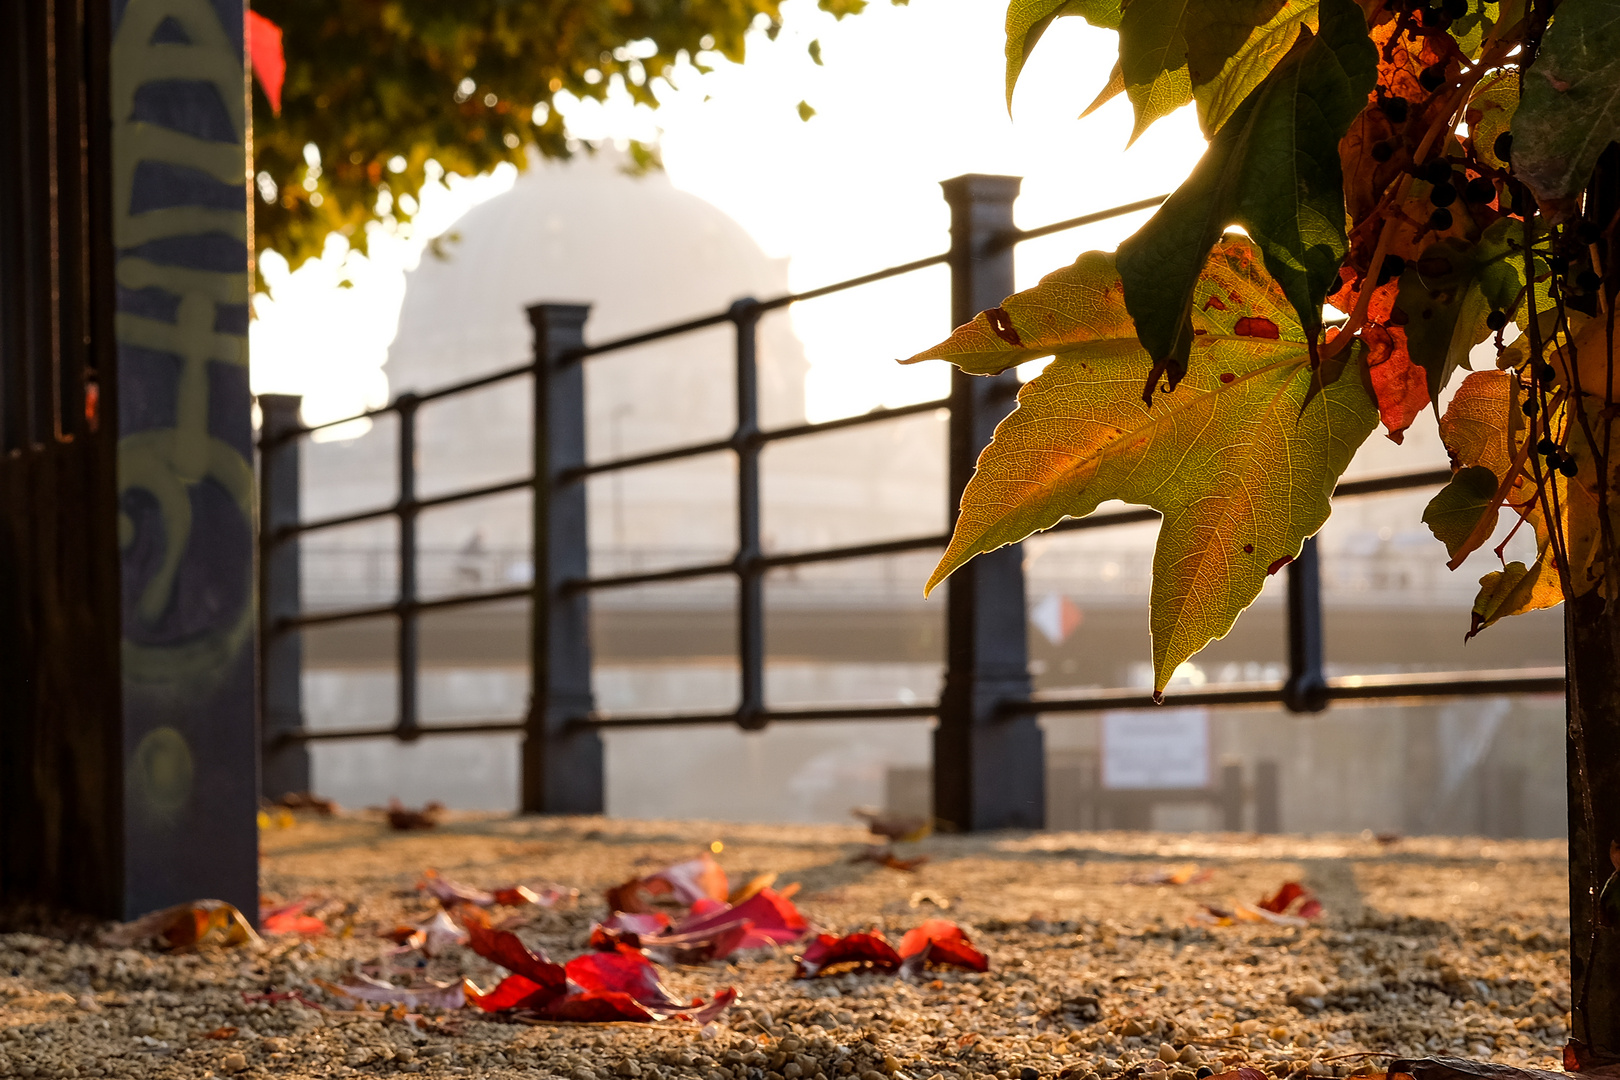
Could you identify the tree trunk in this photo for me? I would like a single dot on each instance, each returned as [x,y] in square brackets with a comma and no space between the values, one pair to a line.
[1592,653]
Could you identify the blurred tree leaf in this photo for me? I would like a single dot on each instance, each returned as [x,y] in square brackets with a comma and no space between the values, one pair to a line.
[381,89]
[1570,111]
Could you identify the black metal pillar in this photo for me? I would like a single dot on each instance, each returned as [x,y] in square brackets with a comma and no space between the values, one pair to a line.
[562,764]
[409,641]
[1306,688]
[989,768]
[283,765]
[750,576]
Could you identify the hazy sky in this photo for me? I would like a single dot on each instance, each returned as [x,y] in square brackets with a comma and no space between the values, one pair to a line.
[907,97]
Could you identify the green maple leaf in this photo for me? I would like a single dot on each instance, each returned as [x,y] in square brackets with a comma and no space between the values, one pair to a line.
[1027,20]
[1215,52]
[1570,111]
[1273,169]
[1447,294]
[1232,47]
[1238,463]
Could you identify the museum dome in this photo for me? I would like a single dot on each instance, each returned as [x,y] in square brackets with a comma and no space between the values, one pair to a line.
[639,251]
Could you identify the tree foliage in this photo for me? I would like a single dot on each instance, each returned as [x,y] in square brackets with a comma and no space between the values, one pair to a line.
[1420,170]
[387,92]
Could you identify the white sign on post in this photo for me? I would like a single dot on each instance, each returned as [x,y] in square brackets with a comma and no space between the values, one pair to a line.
[1164,748]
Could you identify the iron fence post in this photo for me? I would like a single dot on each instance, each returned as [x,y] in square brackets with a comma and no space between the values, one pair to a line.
[750,576]
[283,763]
[1306,689]
[409,642]
[989,767]
[562,762]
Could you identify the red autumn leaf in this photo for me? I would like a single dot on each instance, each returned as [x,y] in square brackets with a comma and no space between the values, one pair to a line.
[597,1007]
[775,919]
[1401,387]
[504,948]
[645,924]
[828,950]
[265,55]
[290,919]
[945,943]
[1280,900]
[685,882]
[1292,895]
[517,992]
[624,970]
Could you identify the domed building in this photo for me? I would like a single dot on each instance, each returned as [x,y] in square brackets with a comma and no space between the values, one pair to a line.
[642,254]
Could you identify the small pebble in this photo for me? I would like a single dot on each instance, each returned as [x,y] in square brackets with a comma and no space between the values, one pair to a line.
[1028,1073]
[1168,1054]
[234,1062]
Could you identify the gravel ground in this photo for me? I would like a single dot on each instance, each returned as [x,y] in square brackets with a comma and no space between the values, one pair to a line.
[1426,946]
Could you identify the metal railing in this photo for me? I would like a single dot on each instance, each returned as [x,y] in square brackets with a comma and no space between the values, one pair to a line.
[988,751]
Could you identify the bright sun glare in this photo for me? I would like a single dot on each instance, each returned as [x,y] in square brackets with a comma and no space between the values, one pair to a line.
[908,96]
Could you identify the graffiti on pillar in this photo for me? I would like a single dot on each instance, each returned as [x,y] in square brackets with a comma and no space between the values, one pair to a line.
[185,477]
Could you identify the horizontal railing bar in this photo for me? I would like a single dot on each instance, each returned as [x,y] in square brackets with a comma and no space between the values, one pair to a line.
[416,504]
[1430,684]
[855,282]
[872,416]
[1414,685]
[609,722]
[480,727]
[653,577]
[1379,485]
[656,457]
[1018,236]
[475,383]
[676,453]
[377,611]
[1349,489]
[856,551]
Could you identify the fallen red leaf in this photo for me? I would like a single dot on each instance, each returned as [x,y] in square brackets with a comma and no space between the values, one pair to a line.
[220,1033]
[624,970]
[1292,895]
[685,882]
[594,988]
[505,948]
[450,893]
[865,949]
[516,992]
[266,58]
[404,819]
[200,922]
[941,941]
[774,919]
[290,919]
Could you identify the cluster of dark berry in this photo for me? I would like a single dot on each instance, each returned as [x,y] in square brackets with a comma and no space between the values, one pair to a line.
[1438,16]
[1558,459]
